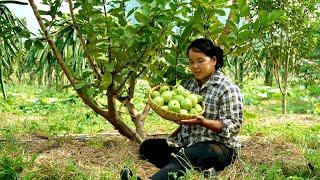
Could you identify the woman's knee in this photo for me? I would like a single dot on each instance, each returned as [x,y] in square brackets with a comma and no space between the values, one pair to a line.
[149,146]
[144,147]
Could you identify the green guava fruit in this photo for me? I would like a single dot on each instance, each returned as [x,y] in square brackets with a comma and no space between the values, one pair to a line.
[158,100]
[164,88]
[167,96]
[155,94]
[174,105]
[186,103]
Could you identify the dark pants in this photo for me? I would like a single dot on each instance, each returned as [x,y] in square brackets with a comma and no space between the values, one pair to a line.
[174,161]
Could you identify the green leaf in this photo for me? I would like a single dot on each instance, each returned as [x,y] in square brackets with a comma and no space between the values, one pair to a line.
[245,27]
[79,85]
[232,26]
[41,12]
[245,11]
[38,44]
[109,67]
[220,12]
[28,44]
[241,3]
[90,91]
[140,17]
[263,17]
[245,35]
[86,73]
[131,11]
[25,34]
[275,15]
[106,80]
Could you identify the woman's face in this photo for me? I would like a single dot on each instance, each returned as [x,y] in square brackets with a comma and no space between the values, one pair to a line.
[201,65]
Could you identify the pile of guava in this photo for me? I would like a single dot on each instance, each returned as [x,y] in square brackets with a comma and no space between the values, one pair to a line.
[177,99]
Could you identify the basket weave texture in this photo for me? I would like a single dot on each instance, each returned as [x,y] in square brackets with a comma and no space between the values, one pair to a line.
[170,115]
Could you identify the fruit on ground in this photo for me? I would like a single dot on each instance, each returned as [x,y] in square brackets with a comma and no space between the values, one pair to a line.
[174,105]
[159,100]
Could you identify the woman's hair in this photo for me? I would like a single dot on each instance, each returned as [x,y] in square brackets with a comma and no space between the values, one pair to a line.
[207,47]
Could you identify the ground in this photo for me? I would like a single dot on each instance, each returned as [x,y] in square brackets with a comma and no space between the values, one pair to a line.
[112,151]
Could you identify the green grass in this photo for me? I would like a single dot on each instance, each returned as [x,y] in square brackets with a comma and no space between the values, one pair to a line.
[38,111]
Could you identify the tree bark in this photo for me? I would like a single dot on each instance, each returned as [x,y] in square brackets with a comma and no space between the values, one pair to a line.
[268,80]
[1,83]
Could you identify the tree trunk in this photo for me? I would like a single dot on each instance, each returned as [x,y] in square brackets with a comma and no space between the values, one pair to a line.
[284,103]
[285,85]
[115,120]
[236,69]
[1,83]
[241,73]
[269,75]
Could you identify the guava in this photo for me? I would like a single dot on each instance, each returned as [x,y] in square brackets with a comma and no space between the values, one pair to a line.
[178,97]
[194,99]
[193,111]
[164,88]
[179,87]
[200,98]
[165,107]
[174,105]
[198,107]
[167,96]
[155,94]
[183,111]
[159,100]
[184,92]
[186,103]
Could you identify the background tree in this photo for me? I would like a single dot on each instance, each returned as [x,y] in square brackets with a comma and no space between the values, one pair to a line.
[287,42]
[11,31]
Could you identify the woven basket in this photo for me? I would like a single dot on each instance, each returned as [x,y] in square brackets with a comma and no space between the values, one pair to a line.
[170,115]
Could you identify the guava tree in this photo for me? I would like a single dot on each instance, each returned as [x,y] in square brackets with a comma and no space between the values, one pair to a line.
[289,42]
[123,43]
[118,50]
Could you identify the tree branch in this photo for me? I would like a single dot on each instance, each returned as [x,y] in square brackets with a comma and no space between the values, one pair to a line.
[62,64]
[83,43]
[13,2]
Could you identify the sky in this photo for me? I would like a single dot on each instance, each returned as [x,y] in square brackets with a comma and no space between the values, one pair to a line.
[25,11]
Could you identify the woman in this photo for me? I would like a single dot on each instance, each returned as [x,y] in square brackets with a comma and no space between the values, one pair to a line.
[209,141]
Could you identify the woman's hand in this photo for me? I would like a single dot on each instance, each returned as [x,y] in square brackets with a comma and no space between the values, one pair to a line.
[195,121]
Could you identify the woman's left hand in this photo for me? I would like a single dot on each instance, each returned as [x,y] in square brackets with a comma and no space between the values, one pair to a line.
[195,121]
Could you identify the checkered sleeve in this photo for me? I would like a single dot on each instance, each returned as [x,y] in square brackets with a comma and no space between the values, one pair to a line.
[230,112]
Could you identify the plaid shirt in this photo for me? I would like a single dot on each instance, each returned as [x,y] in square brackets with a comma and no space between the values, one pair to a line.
[224,102]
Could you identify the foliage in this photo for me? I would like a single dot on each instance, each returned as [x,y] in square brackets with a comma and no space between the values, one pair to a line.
[33,114]
[11,30]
